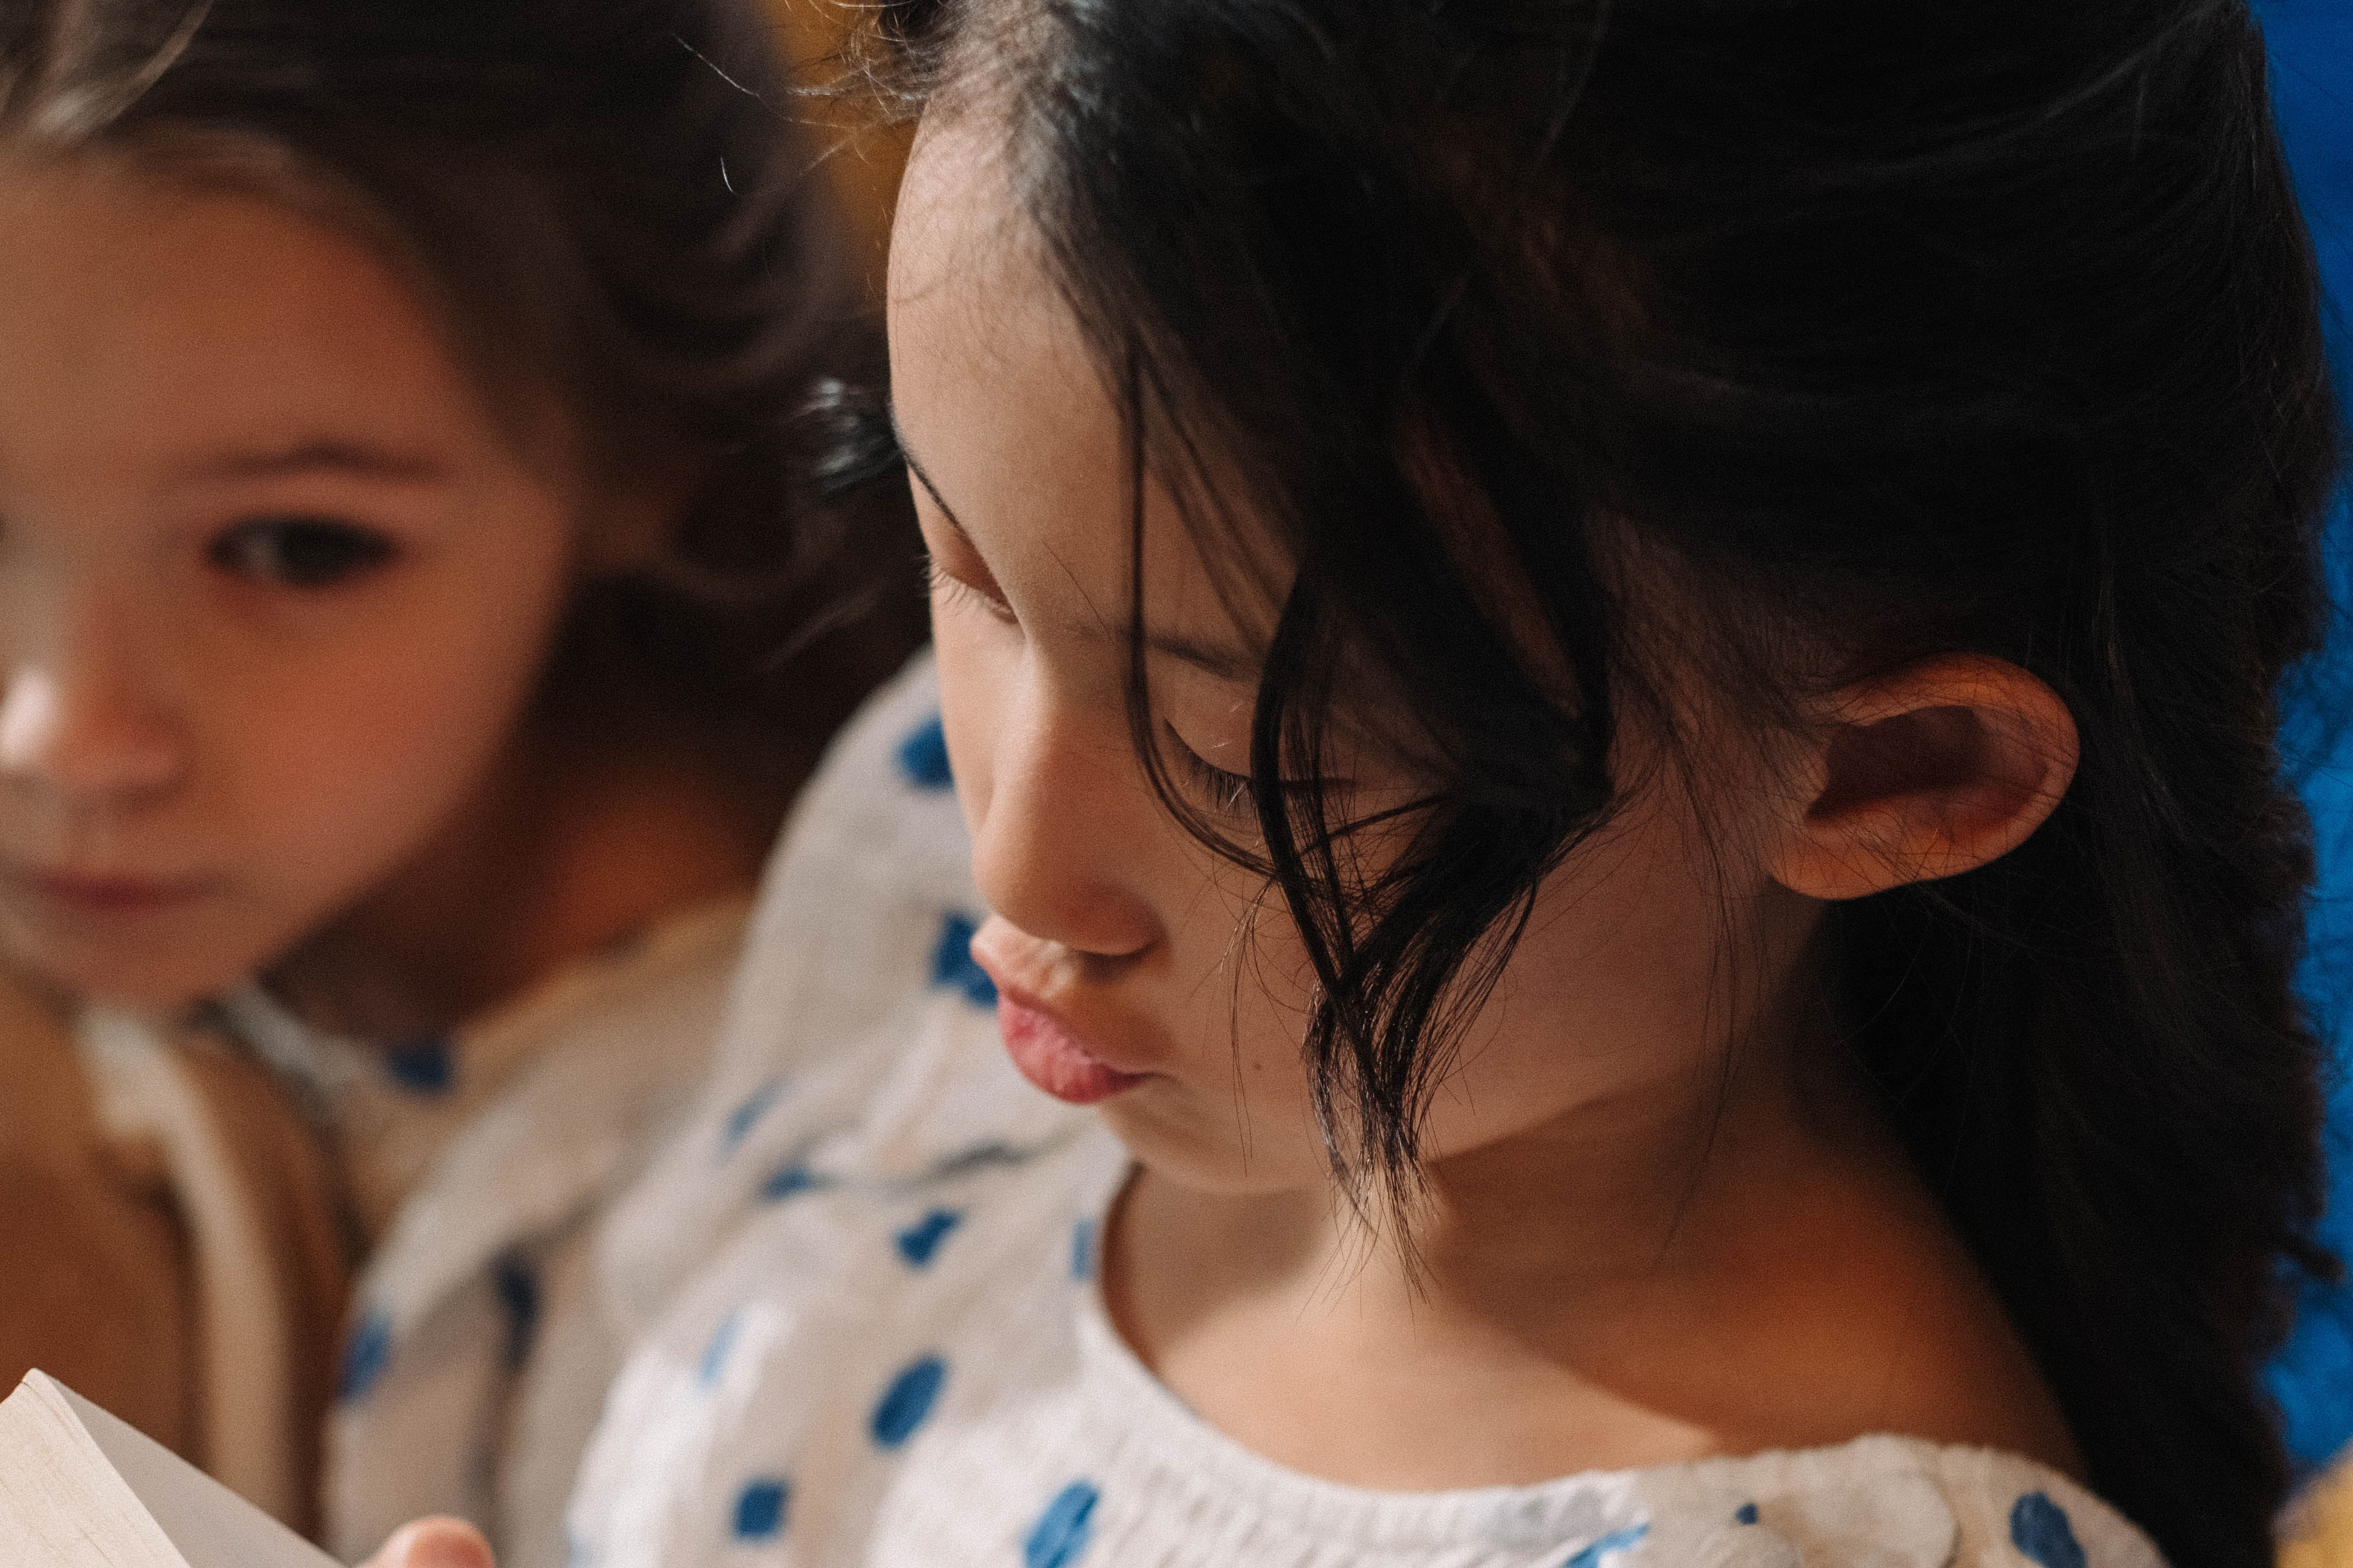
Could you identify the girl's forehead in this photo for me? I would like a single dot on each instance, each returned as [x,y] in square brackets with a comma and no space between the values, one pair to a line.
[992,381]
[147,329]
[250,229]
[960,235]
[1006,414]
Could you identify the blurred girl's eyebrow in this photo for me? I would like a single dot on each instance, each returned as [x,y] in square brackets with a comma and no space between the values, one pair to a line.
[350,459]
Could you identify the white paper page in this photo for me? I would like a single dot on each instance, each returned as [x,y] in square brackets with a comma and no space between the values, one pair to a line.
[212,1526]
[62,1504]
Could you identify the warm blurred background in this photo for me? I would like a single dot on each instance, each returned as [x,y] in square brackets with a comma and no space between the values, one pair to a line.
[862,158]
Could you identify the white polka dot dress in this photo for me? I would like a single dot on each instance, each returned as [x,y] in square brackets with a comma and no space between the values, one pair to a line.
[871,1335]
[480,1344]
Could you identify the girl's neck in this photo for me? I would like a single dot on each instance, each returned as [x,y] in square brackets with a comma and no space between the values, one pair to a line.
[564,850]
[1745,1264]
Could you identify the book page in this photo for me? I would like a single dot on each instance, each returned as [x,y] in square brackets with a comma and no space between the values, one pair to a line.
[61,1503]
[211,1525]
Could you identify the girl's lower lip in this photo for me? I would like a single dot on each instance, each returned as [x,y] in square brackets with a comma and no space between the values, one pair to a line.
[117,896]
[1049,1056]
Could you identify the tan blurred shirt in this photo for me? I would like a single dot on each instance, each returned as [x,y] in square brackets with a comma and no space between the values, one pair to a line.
[171,1247]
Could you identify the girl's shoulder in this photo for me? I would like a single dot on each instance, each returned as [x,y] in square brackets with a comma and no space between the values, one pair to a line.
[1886,1502]
[1161,1477]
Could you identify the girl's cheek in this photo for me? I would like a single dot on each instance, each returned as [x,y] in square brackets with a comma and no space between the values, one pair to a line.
[352,751]
[421,684]
[976,675]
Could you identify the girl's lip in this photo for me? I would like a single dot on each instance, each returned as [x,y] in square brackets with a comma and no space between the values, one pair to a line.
[1050,1056]
[88,894]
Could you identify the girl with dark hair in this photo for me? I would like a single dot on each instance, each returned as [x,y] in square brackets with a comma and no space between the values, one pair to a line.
[1612,667]
[431,565]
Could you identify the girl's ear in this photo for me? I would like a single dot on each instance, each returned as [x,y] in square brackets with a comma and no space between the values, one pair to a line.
[1928,772]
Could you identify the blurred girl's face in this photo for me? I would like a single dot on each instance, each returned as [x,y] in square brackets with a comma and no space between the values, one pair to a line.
[1137,969]
[274,585]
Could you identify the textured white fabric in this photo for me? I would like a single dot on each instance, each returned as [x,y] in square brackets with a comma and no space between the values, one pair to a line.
[882,1344]
[861,936]
[482,1341]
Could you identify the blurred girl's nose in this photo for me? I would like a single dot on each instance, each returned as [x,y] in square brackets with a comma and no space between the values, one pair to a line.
[78,727]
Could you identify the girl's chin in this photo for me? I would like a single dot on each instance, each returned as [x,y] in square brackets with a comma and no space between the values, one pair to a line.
[1205,1157]
[159,983]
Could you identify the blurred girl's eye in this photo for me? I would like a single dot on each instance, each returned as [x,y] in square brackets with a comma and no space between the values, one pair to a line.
[300,552]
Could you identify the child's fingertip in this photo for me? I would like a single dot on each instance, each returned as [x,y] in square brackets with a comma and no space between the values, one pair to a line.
[435,1543]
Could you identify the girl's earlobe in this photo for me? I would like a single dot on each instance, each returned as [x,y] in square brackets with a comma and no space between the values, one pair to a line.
[1928,773]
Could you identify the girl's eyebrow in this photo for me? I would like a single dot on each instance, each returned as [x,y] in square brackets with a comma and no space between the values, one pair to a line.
[907,455]
[930,488]
[1218,663]
[326,457]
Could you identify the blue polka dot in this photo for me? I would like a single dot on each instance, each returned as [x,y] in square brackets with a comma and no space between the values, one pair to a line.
[979,1157]
[747,1116]
[1062,1531]
[2039,1528]
[920,1240]
[518,1289]
[791,1180]
[951,963]
[1615,1541]
[714,1350]
[760,1509]
[422,1066]
[1082,1250]
[1745,1514]
[923,757]
[365,1357]
[907,1401]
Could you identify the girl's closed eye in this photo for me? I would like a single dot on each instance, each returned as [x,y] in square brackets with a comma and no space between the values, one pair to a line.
[1222,790]
[950,587]
[309,553]
[1226,792]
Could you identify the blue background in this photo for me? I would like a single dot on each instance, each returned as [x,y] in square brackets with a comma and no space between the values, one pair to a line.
[2312,77]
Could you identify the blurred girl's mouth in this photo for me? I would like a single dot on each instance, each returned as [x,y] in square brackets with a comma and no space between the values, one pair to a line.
[1053,1058]
[84,896]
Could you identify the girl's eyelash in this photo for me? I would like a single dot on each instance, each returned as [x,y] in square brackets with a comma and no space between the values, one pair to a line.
[300,552]
[938,579]
[1228,792]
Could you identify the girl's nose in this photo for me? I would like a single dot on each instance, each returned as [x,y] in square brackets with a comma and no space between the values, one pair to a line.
[82,732]
[1060,845]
